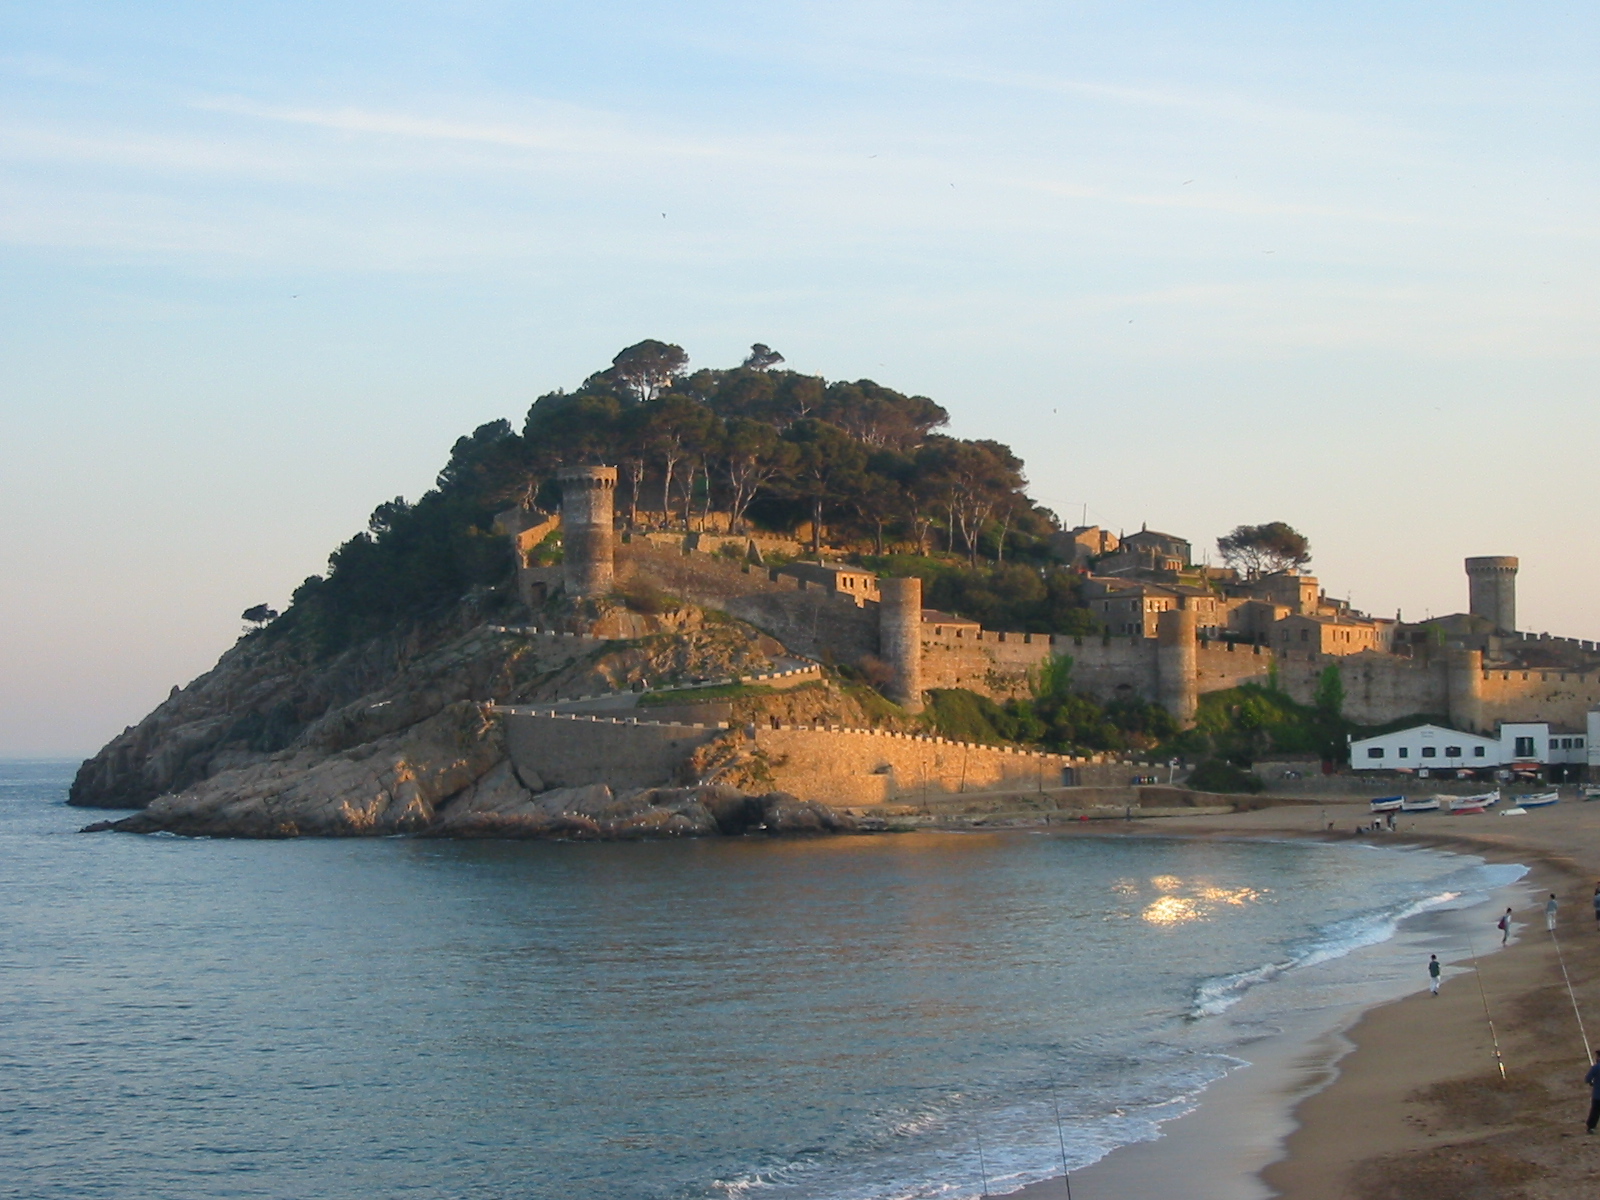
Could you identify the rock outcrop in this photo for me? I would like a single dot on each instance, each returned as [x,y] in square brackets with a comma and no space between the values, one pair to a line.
[397,736]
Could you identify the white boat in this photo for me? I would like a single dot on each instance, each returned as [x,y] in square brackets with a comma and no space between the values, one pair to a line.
[1420,804]
[1539,800]
[1591,791]
[1388,803]
[1474,804]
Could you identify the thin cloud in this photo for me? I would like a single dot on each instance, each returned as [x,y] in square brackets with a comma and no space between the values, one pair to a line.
[578,133]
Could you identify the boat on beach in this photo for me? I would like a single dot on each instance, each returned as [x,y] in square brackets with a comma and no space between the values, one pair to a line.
[1474,804]
[1420,804]
[1388,803]
[1538,800]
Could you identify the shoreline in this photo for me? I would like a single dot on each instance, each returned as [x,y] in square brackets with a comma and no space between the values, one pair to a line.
[1400,1092]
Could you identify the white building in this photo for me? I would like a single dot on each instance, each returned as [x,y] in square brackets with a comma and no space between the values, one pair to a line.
[1535,741]
[1437,746]
[1424,746]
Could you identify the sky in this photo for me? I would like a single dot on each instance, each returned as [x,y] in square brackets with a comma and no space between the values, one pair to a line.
[1199,264]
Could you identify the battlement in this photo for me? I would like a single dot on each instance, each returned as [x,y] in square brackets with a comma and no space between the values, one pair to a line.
[831,763]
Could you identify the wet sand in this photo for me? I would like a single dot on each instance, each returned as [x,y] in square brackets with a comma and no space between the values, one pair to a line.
[1404,1101]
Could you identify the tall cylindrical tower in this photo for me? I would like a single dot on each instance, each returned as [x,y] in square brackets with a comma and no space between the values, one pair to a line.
[1465,680]
[587,527]
[1178,664]
[900,638]
[1492,590]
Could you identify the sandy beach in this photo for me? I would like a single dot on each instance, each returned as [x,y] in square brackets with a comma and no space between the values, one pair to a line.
[1405,1101]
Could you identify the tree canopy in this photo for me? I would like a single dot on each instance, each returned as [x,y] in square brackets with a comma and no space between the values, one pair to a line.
[1262,549]
[853,464]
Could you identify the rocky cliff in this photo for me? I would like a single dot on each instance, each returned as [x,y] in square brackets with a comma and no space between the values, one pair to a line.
[396,736]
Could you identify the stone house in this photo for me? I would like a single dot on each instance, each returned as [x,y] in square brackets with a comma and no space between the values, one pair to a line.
[1321,634]
[838,580]
[1076,546]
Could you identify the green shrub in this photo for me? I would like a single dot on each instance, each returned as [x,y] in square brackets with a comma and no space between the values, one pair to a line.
[1216,775]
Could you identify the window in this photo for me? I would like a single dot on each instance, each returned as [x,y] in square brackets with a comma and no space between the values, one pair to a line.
[1477,752]
[1403,752]
[1452,751]
[1524,748]
[1374,751]
[1577,743]
[1566,743]
[1430,752]
[1305,635]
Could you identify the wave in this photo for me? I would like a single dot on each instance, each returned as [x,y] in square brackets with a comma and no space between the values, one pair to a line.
[1219,993]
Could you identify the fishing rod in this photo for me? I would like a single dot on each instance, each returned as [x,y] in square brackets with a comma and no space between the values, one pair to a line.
[1484,996]
[983,1169]
[1061,1139]
[1588,1054]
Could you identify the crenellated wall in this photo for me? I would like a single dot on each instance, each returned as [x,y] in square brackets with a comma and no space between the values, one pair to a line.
[832,764]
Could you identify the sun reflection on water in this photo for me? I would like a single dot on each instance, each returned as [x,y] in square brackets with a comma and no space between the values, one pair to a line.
[1188,902]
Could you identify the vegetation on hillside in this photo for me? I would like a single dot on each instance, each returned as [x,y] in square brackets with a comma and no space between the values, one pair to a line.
[855,463]
[1054,717]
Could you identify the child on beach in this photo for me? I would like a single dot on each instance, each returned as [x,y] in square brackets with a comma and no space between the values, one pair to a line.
[1433,973]
[1550,913]
[1504,926]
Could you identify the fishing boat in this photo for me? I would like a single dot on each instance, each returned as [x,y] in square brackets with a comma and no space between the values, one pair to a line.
[1388,803]
[1591,791]
[1474,804]
[1420,804]
[1539,800]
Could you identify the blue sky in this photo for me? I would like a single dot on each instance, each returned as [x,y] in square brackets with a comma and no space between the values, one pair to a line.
[1200,264]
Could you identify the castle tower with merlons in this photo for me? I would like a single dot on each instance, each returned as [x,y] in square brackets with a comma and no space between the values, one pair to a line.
[1492,590]
[587,530]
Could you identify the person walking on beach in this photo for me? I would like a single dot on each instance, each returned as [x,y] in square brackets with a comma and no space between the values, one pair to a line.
[1504,926]
[1550,913]
[1433,973]
[1597,906]
[1593,1080]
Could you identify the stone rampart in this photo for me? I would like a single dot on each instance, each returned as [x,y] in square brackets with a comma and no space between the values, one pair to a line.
[1377,687]
[571,751]
[867,766]
[1560,697]
[833,764]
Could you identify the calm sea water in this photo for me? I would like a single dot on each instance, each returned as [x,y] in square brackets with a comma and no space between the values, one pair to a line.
[840,1019]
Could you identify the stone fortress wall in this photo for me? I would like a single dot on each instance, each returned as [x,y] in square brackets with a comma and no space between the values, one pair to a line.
[857,767]
[927,650]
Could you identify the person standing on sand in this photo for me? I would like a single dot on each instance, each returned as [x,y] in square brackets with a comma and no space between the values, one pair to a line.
[1597,906]
[1593,1080]
[1550,913]
[1433,973]
[1504,926]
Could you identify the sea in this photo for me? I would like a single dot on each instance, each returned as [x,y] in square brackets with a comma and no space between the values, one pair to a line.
[850,1018]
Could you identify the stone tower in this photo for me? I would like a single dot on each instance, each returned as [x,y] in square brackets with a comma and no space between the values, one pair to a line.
[1178,664]
[900,638]
[587,529]
[1465,695]
[1492,590]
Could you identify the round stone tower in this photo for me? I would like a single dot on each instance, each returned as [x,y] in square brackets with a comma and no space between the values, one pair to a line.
[1492,590]
[900,638]
[1465,695]
[587,527]
[1178,664]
